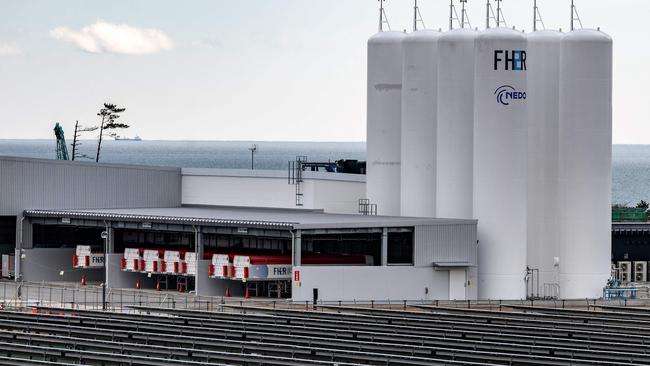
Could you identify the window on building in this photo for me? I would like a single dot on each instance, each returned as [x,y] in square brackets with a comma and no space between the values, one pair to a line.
[400,248]
[7,234]
[55,236]
[339,248]
[144,239]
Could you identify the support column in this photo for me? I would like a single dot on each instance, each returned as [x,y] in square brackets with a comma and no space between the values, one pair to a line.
[297,249]
[198,243]
[384,246]
[110,244]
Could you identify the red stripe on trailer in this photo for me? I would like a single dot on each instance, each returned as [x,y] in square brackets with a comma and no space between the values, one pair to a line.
[142,265]
[87,261]
[163,266]
[184,267]
[245,272]
[175,267]
[135,264]
[232,271]
[210,270]
[225,271]
[123,264]
[75,260]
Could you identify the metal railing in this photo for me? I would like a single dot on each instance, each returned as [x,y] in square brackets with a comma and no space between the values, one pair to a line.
[89,297]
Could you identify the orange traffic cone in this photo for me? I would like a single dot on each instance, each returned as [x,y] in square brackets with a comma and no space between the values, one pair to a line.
[246,296]
[158,285]
[137,284]
[83,279]
[227,291]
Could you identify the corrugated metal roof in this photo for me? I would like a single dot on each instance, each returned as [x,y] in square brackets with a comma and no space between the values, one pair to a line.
[247,216]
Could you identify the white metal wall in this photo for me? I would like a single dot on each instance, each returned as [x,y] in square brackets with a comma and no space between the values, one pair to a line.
[384,121]
[444,244]
[500,159]
[38,183]
[332,192]
[348,283]
[419,124]
[455,124]
[585,143]
[543,85]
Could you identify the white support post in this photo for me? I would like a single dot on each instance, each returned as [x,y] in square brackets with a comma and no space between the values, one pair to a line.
[297,249]
[384,247]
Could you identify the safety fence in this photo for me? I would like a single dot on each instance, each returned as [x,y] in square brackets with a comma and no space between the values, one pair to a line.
[91,297]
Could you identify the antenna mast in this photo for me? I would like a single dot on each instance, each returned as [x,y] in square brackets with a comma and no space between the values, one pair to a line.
[417,17]
[383,19]
[464,16]
[497,17]
[453,15]
[537,17]
[575,16]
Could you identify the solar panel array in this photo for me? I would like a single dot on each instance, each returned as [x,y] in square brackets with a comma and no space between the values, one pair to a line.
[327,335]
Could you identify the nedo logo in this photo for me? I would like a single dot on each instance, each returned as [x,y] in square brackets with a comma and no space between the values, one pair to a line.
[512,60]
[506,93]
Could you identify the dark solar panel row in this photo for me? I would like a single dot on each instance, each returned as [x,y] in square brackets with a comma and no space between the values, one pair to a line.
[330,336]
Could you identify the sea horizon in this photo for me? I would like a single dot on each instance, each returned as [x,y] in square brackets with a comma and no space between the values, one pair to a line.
[630,162]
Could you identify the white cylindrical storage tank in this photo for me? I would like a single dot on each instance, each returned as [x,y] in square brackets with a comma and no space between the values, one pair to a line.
[383,146]
[419,105]
[585,155]
[455,124]
[500,158]
[543,87]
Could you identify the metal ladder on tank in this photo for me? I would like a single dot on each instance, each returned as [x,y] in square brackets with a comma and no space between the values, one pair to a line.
[295,177]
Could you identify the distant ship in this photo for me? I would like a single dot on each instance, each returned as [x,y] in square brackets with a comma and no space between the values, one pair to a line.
[122,138]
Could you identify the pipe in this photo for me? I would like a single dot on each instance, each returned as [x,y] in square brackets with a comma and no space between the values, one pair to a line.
[18,254]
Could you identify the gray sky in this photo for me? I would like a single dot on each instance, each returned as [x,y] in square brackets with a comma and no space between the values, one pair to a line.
[249,69]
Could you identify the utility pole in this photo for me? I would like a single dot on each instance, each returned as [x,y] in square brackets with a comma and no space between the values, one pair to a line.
[253,150]
[104,236]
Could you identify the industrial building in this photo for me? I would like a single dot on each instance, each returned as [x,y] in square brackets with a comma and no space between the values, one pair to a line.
[316,252]
[510,128]
[484,149]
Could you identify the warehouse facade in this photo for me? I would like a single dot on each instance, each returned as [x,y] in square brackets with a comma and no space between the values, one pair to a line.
[407,258]
[50,209]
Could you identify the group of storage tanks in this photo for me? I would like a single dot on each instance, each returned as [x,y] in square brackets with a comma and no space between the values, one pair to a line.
[509,128]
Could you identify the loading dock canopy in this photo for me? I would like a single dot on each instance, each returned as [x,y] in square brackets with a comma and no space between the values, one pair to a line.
[264,218]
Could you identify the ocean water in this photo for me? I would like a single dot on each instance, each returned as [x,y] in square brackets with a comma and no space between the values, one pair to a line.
[195,154]
[630,170]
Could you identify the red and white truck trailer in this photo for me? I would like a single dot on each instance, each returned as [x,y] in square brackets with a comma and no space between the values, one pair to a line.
[85,258]
[131,260]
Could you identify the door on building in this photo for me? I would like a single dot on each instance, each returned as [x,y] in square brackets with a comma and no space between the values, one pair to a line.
[457,284]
